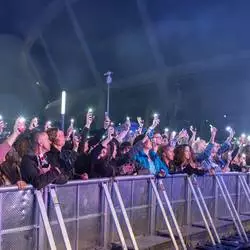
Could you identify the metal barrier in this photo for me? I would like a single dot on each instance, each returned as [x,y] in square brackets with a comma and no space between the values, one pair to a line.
[132,212]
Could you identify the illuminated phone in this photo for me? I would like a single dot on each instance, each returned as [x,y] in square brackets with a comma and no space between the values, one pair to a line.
[156,115]
[21,124]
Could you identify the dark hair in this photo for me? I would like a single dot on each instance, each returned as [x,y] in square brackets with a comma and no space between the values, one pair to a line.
[125,145]
[163,149]
[179,154]
[52,133]
[22,145]
[138,138]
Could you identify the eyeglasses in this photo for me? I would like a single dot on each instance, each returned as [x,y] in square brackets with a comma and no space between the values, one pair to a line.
[158,137]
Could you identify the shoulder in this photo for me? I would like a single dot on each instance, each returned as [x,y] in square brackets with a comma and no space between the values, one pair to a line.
[28,160]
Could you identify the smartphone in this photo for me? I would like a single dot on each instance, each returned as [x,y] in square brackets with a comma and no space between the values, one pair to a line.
[156,115]
[21,125]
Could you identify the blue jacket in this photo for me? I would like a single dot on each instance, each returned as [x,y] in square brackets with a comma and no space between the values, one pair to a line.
[205,154]
[142,159]
[219,164]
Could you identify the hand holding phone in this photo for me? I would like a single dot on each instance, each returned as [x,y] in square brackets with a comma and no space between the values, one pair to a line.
[20,126]
[47,125]
[107,120]
[33,123]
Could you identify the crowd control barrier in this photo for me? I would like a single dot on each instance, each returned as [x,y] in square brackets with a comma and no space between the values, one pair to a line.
[134,212]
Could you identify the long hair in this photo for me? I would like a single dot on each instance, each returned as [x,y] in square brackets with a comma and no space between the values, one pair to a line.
[162,150]
[179,158]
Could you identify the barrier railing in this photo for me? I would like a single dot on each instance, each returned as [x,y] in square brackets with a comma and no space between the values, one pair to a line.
[132,212]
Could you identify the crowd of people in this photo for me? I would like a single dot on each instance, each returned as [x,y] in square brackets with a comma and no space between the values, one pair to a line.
[40,157]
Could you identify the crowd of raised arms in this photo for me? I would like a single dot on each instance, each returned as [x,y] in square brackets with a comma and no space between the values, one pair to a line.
[41,157]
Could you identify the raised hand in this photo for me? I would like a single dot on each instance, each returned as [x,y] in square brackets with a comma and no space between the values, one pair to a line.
[107,121]
[33,123]
[155,123]
[89,118]
[140,122]
[19,126]
[76,142]
[193,130]
[128,124]
[70,132]
[111,132]
[213,133]
[47,125]
[183,134]
[2,126]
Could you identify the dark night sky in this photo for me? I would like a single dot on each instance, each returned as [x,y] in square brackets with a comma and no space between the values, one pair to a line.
[203,44]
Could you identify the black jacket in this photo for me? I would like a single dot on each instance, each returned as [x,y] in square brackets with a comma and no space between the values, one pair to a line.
[64,160]
[189,170]
[100,167]
[82,165]
[32,175]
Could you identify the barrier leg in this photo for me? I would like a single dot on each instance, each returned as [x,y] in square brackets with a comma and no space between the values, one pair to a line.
[152,213]
[245,187]
[201,210]
[125,215]
[106,222]
[234,210]
[162,187]
[60,219]
[229,208]
[114,215]
[45,219]
[41,229]
[164,213]
[208,213]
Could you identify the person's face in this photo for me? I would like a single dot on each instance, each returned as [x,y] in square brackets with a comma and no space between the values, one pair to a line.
[44,142]
[169,153]
[60,138]
[243,159]
[111,130]
[165,141]
[158,139]
[148,144]
[187,153]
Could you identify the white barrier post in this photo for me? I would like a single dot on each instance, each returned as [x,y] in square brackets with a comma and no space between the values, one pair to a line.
[229,208]
[201,211]
[208,214]
[114,215]
[124,213]
[164,214]
[60,218]
[45,219]
[172,214]
[234,210]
